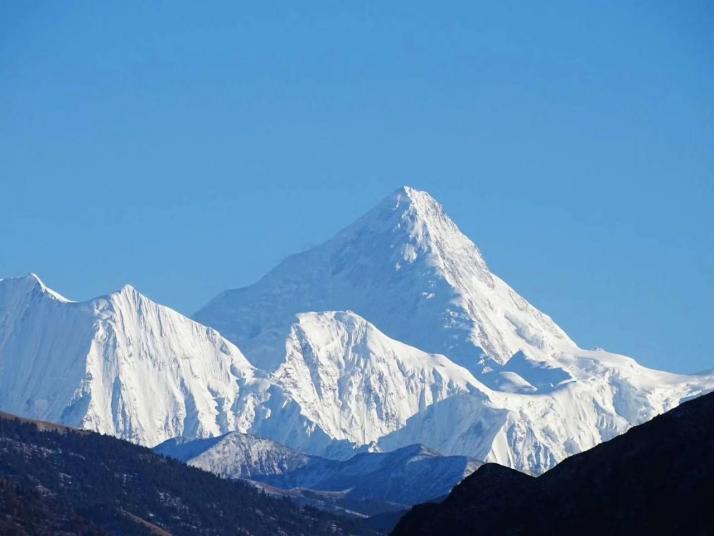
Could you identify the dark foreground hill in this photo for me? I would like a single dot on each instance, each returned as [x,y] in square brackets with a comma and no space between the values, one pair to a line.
[56,480]
[658,478]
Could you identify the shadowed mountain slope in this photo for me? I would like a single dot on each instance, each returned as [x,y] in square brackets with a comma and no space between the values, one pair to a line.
[655,479]
[60,481]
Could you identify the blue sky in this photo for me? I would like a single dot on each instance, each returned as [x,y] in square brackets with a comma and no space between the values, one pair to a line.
[188,147]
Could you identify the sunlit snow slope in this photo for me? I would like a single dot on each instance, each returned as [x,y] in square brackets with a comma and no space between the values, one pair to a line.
[119,364]
[406,268]
[357,383]
[532,398]
[395,332]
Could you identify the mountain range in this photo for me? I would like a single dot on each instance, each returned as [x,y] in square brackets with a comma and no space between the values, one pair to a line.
[393,333]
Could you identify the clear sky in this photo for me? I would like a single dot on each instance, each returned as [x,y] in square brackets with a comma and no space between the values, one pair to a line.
[187,147]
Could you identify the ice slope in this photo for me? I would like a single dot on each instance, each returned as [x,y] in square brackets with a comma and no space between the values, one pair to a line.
[126,366]
[118,364]
[408,269]
[607,394]
[356,383]
[406,476]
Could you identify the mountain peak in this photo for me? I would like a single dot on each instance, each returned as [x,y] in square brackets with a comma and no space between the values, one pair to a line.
[87,364]
[413,195]
[130,295]
[33,278]
[419,198]
[408,203]
[411,227]
[30,282]
[127,297]
[129,290]
[407,268]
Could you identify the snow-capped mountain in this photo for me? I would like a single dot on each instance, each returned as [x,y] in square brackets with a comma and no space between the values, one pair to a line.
[403,477]
[395,332]
[119,364]
[123,365]
[533,398]
[406,268]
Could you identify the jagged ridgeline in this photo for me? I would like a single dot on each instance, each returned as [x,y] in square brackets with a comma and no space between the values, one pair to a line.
[393,333]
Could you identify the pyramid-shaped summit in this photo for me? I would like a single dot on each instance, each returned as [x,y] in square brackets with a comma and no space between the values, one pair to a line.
[415,225]
[406,267]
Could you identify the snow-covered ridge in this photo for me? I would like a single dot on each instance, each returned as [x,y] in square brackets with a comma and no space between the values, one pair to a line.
[24,287]
[358,384]
[123,365]
[118,364]
[393,333]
